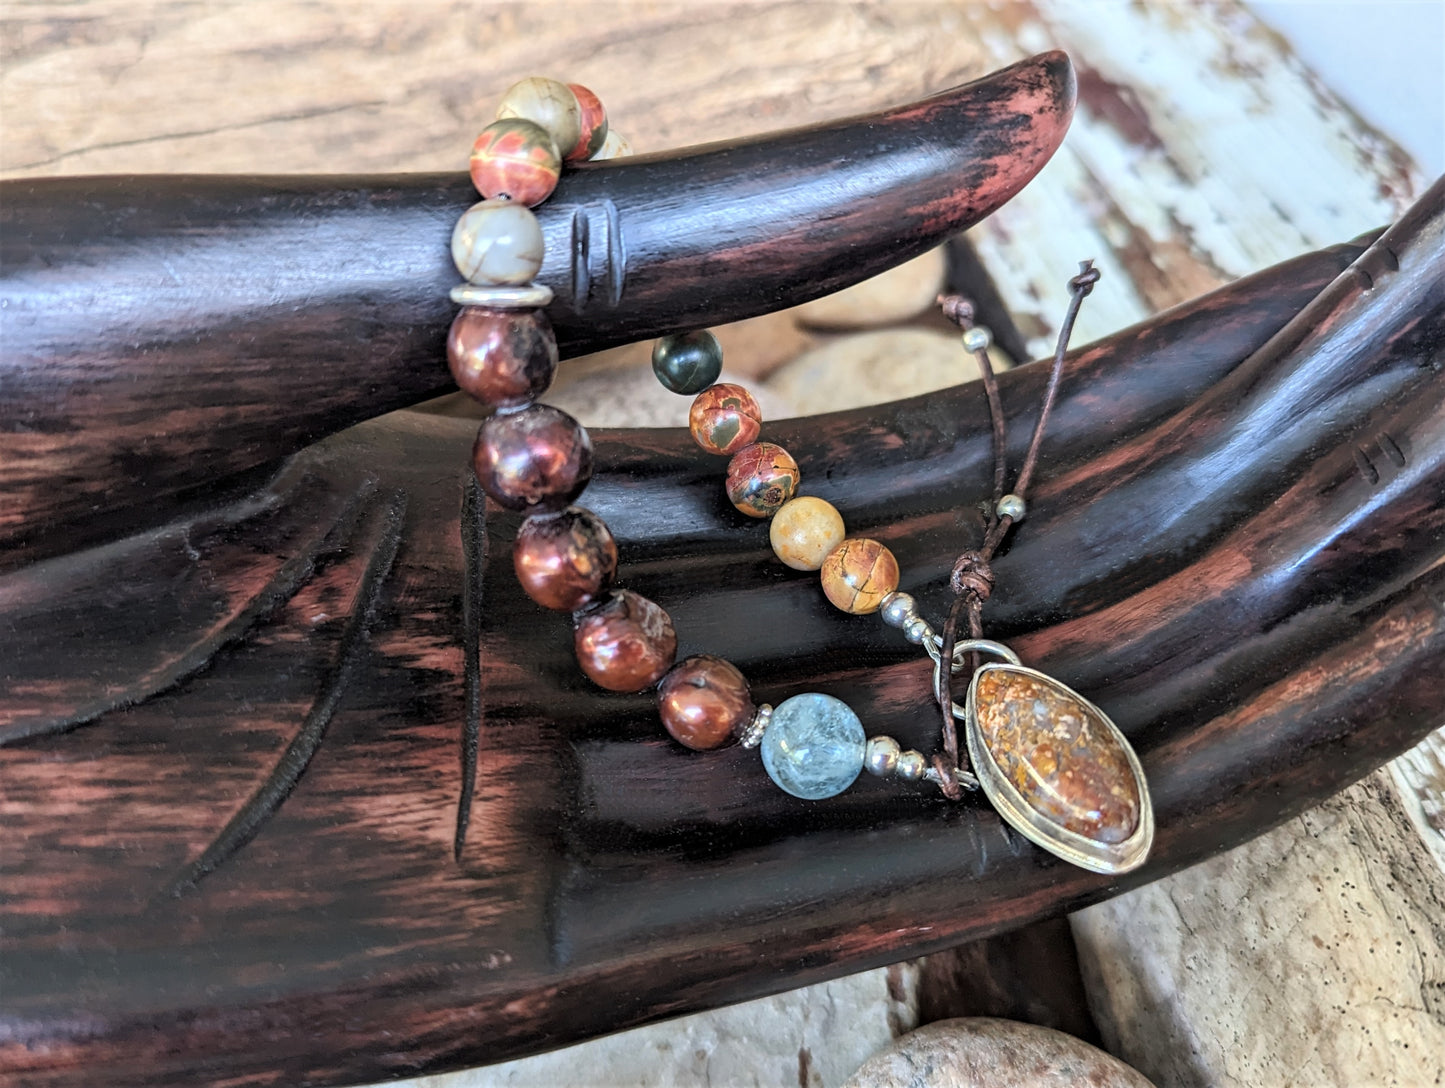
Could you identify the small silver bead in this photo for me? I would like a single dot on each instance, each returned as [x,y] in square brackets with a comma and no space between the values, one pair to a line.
[911,765]
[1011,506]
[898,609]
[752,733]
[977,338]
[918,631]
[881,756]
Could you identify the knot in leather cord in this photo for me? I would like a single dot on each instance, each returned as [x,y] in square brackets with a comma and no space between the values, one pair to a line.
[957,309]
[972,574]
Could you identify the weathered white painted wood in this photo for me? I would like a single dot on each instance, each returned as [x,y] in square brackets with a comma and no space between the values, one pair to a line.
[1313,956]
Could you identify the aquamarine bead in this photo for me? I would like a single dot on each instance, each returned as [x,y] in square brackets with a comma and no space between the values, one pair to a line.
[814,745]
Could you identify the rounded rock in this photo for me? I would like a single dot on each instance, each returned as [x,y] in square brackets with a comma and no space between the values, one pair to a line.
[724,418]
[502,358]
[881,756]
[498,241]
[593,125]
[804,531]
[858,574]
[979,1052]
[687,362]
[625,643]
[761,478]
[814,746]
[515,159]
[565,561]
[548,103]
[704,702]
[538,459]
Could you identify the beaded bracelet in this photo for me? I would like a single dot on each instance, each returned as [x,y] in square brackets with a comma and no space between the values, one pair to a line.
[1052,763]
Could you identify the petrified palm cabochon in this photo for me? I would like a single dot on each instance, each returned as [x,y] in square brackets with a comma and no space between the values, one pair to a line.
[1063,758]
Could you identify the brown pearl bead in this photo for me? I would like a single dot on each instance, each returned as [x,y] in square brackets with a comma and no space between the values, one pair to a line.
[564,561]
[703,702]
[858,574]
[625,643]
[503,358]
[538,459]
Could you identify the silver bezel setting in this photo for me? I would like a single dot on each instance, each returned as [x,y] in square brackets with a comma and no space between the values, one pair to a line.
[1080,850]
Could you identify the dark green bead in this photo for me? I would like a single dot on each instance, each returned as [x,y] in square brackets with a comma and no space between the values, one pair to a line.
[688,362]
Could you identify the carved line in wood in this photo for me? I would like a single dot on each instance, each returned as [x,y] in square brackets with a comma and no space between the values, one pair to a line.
[474,559]
[272,793]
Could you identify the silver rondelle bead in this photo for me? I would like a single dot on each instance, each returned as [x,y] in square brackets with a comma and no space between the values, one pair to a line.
[918,631]
[911,765]
[977,338]
[881,756]
[898,609]
[1011,506]
[752,733]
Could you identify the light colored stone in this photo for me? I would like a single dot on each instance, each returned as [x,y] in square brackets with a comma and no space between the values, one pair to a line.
[1314,955]
[874,367]
[814,1037]
[889,297]
[497,241]
[981,1052]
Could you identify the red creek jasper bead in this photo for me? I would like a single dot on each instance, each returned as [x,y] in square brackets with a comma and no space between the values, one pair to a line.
[625,643]
[515,159]
[538,459]
[724,418]
[704,702]
[858,574]
[564,561]
[761,477]
[502,358]
[593,126]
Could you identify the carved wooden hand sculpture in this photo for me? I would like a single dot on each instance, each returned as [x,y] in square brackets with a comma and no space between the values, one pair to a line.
[251,673]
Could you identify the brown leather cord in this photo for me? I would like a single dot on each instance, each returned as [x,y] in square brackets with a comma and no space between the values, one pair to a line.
[972,576]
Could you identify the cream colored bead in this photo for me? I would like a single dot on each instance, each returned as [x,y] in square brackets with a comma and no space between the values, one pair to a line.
[804,531]
[614,147]
[498,241]
[548,103]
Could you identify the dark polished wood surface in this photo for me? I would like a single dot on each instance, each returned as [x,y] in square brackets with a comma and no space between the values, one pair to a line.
[236,716]
[163,333]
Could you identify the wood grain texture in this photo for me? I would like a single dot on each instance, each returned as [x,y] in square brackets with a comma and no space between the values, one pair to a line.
[154,313]
[105,87]
[600,881]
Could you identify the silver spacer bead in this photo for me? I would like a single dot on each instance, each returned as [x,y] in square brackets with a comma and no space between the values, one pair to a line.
[1011,506]
[881,756]
[897,609]
[918,631]
[501,296]
[752,733]
[911,765]
[977,338]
